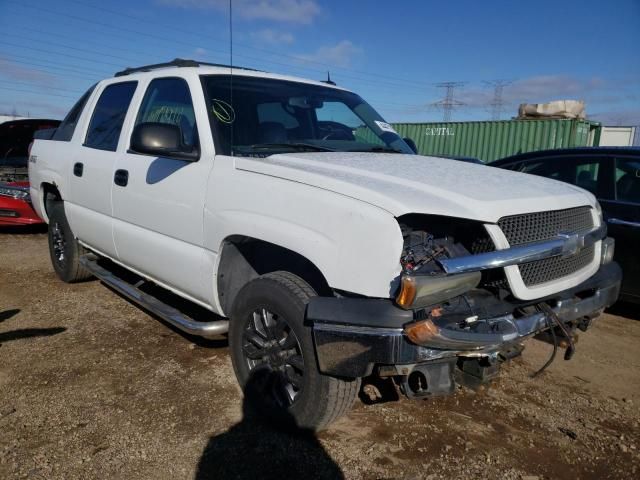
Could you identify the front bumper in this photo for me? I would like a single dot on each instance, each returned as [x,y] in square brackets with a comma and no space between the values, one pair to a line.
[17,212]
[354,335]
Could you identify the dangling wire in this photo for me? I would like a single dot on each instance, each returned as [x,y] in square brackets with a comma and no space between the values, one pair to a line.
[551,327]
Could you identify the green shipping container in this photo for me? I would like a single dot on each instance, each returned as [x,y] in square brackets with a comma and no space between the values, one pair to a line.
[492,140]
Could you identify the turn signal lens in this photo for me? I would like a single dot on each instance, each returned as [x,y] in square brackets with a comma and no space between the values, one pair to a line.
[421,332]
[407,292]
[607,250]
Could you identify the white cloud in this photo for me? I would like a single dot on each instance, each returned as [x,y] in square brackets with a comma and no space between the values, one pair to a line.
[13,71]
[339,55]
[540,89]
[273,37]
[292,11]
[199,52]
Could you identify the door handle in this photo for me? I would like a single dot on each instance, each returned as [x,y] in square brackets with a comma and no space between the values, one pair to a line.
[626,223]
[78,169]
[121,178]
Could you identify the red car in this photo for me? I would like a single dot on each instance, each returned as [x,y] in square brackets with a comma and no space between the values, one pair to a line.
[15,205]
[15,202]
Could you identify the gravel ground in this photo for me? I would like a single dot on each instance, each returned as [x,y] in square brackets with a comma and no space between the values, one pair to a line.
[93,387]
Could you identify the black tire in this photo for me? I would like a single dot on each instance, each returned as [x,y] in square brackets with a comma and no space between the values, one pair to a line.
[64,249]
[319,399]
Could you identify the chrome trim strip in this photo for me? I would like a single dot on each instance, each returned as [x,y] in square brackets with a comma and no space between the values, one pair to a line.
[563,245]
[626,223]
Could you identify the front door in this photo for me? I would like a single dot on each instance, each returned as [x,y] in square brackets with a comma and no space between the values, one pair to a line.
[622,213]
[158,209]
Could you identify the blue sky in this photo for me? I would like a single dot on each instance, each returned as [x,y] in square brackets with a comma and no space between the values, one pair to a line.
[392,53]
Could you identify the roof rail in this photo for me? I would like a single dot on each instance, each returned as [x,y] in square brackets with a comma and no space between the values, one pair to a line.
[178,62]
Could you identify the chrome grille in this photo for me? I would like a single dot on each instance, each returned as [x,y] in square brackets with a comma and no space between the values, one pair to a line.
[534,227]
[540,226]
[541,271]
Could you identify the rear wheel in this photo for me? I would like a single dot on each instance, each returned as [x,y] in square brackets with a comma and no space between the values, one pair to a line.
[274,359]
[64,249]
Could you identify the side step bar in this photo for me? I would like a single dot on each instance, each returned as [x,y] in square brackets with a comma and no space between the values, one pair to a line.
[151,303]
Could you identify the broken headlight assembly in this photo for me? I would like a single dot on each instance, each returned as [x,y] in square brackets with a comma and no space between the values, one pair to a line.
[427,240]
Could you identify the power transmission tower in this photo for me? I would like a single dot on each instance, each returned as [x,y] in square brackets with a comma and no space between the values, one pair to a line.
[497,104]
[448,104]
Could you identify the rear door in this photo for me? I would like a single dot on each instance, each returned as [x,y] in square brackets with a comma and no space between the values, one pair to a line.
[622,213]
[158,213]
[92,166]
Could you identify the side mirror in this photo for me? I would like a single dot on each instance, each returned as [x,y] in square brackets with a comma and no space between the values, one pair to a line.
[162,140]
[412,144]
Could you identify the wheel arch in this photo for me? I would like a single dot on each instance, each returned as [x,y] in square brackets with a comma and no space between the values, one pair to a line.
[243,258]
[49,194]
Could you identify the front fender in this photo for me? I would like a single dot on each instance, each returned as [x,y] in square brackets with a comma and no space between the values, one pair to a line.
[355,245]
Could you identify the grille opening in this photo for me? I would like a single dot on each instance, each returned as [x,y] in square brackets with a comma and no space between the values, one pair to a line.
[540,226]
[535,227]
[542,271]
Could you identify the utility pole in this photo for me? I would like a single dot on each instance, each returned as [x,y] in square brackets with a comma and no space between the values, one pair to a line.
[497,104]
[448,104]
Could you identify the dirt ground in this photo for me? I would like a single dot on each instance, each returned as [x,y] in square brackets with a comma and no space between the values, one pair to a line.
[93,387]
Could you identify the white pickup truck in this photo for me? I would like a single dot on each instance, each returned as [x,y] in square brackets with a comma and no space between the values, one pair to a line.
[313,235]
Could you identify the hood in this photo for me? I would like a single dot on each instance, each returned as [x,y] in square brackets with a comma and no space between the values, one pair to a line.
[404,184]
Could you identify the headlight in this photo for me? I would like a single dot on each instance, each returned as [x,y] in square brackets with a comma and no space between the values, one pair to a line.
[19,193]
[599,210]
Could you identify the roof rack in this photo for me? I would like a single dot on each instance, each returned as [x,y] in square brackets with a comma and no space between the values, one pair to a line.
[178,62]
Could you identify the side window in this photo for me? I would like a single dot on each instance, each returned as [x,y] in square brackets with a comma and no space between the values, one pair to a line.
[65,130]
[108,116]
[628,180]
[580,172]
[168,100]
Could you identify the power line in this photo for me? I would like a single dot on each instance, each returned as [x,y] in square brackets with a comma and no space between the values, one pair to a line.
[271,52]
[46,94]
[377,84]
[57,64]
[66,72]
[48,87]
[44,50]
[448,104]
[416,84]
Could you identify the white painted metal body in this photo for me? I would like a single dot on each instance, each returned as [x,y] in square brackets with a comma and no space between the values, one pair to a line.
[336,209]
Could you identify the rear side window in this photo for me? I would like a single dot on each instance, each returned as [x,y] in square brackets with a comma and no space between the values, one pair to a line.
[108,116]
[168,100]
[65,131]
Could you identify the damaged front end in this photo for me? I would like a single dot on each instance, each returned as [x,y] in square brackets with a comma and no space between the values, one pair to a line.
[454,316]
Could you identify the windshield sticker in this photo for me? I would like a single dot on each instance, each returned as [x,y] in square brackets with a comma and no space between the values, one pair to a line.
[223,111]
[385,127]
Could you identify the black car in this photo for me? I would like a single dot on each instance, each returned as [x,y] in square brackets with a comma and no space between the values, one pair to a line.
[612,174]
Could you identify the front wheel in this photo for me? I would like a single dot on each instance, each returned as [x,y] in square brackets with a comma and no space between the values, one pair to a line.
[274,359]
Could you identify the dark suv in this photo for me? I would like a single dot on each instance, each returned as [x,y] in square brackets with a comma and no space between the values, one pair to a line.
[612,174]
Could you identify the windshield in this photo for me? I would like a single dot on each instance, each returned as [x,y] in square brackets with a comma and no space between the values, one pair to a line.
[268,116]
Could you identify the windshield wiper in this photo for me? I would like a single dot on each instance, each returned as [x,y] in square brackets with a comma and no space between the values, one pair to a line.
[295,146]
